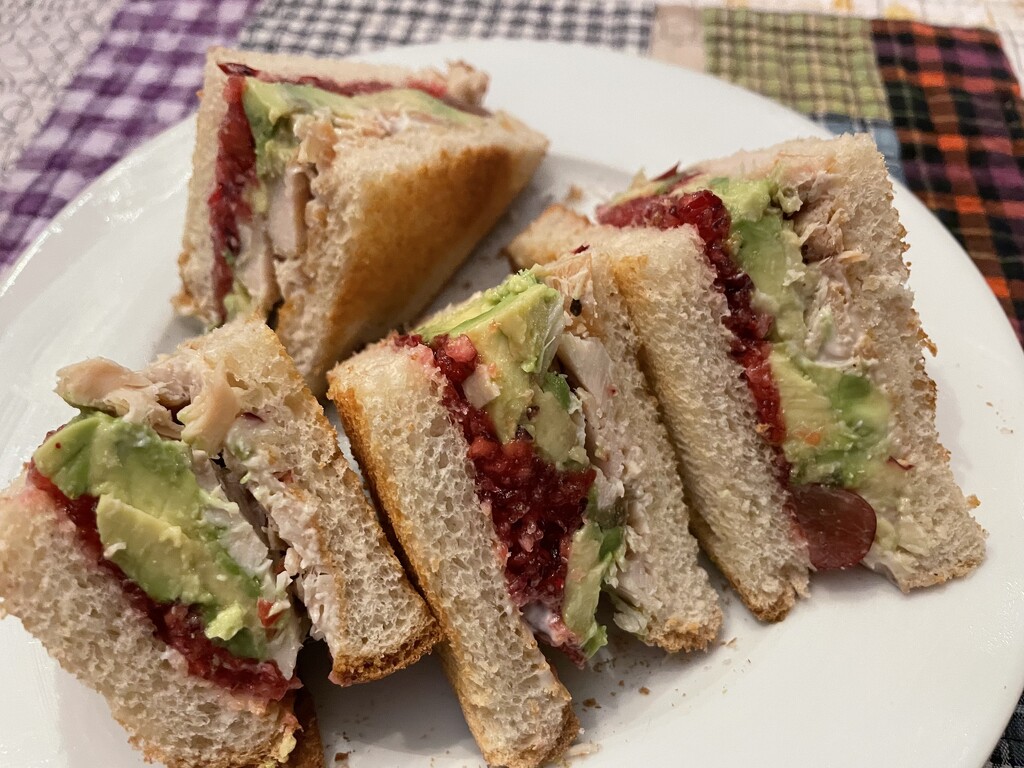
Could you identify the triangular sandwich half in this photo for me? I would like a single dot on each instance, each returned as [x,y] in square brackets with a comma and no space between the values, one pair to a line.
[770,295]
[334,198]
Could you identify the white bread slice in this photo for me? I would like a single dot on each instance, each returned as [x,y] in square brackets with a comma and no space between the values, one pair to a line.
[664,596]
[849,202]
[390,218]
[416,461]
[848,199]
[737,507]
[358,597]
[83,619]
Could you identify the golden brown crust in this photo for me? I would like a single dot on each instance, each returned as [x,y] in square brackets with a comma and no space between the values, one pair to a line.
[309,748]
[407,232]
[345,672]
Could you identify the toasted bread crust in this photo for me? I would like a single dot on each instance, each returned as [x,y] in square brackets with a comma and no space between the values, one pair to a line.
[390,218]
[406,232]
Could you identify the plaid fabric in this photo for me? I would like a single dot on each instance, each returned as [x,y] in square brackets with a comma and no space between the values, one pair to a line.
[142,78]
[823,66]
[1009,752]
[817,65]
[958,113]
[43,44]
[330,27]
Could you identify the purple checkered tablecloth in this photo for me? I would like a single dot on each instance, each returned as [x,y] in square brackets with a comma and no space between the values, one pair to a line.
[141,78]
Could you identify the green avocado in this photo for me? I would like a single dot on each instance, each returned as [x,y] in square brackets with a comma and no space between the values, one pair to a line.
[592,556]
[515,329]
[837,422]
[766,248]
[270,108]
[149,518]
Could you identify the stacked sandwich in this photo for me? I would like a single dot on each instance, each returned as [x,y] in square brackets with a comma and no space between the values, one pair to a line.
[203,513]
[731,350]
[770,293]
[334,199]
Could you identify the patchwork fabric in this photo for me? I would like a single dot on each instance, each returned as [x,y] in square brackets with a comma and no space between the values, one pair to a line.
[42,45]
[142,78]
[823,66]
[337,28]
[814,64]
[958,114]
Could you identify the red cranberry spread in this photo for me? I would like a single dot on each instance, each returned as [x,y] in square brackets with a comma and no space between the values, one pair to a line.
[838,524]
[235,172]
[177,625]
[536,507]
[235,168]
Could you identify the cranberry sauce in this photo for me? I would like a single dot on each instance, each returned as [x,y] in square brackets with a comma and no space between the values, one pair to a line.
[706,212]
[235,172]
[837,524]
[536,508]
[177,625]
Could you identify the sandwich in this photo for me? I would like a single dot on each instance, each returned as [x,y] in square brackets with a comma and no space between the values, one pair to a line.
[174,542]
[778,332]
[503,476]
[333,199]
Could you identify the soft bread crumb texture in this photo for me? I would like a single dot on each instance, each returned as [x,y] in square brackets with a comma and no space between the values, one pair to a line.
[415,459]
[660,576]
[373,620]
[83,619]
[391,217]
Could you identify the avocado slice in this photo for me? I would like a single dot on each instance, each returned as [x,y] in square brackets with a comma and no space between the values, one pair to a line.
[149,516]
[515,329]
[270,108]
[766,248]
[593,557]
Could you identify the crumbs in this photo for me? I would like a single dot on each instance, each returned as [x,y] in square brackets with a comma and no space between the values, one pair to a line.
[574,195]
[341,757]
[645,691]
[591,704]
[973,502]
[584,749]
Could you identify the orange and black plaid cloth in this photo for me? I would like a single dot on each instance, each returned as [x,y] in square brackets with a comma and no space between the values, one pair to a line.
[942,104]
[957,111]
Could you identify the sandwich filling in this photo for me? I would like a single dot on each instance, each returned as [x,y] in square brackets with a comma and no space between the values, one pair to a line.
[802,347]
[274,134]
[558,518]
[184,540]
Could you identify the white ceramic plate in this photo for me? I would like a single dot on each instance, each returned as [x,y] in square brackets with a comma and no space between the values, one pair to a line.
[859,675]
